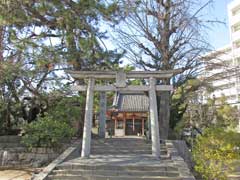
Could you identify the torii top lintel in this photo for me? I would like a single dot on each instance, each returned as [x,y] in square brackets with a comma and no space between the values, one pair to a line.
[130,74]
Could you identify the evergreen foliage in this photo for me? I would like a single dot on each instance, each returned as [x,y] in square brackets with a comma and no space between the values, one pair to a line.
[46,132]
[215,153]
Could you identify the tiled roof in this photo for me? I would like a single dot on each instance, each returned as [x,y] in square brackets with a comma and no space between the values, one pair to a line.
[132,102]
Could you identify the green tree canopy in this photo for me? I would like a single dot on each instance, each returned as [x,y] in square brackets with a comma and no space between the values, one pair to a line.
[39,39]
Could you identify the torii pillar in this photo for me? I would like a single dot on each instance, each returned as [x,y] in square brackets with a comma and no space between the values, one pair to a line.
[154,118]
[102,115]
[87,130]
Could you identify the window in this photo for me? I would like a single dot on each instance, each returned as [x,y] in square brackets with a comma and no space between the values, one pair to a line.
[232,97]
[236,11]
[227,62]
[237,44]
[226,86]
[120,124]
[237,61]
[236,27]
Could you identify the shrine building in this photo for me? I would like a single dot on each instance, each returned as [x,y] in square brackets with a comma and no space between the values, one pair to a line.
[128,115]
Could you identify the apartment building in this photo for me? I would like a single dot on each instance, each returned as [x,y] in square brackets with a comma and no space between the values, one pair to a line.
[234,24]
[225,68]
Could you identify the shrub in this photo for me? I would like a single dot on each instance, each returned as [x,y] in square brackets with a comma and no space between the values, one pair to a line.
[214,153]
[70,110]
[46,132]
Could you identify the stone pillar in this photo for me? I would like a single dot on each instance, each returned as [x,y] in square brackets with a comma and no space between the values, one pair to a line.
[164,114]
[154,119]
[102,115]
[115,123]
[87,130]
[143,127]
[149,127]
[124,123]
[133,123]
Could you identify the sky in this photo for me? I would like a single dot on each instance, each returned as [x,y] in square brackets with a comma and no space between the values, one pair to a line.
[218,34]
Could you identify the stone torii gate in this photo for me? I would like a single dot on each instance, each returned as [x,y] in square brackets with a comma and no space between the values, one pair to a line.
[120,85]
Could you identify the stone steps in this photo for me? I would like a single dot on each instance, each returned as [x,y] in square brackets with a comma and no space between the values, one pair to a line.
[104,167]
[116,172]
[136,148]
[124,151]
[122,159]
[95,177]
[123,146]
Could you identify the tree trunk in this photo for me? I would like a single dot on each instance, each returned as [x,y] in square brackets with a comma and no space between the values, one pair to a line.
[1,42]
[164,113]
[8,118]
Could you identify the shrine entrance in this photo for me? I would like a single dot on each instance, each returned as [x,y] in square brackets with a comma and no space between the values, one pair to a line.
[134,127]
[131,127]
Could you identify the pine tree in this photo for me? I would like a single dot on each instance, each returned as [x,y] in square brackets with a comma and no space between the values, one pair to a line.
[40,38]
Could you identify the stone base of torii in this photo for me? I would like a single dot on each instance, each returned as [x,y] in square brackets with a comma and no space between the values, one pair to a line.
[120,85]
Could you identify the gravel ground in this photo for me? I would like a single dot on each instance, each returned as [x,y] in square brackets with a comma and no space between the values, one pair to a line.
[15,174]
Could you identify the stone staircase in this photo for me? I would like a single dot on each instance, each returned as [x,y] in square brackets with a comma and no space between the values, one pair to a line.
[124,159]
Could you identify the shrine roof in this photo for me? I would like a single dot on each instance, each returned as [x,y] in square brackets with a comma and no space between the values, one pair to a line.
[132,102]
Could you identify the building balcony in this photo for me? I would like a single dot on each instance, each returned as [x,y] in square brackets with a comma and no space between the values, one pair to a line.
[227,92]
[224,82]
[236,52]
[233,20]
[236,35]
